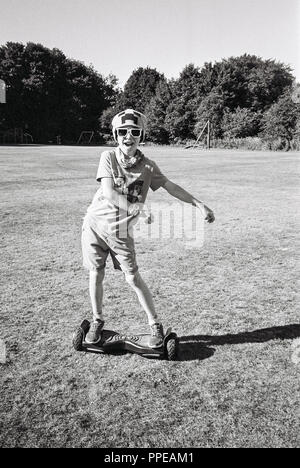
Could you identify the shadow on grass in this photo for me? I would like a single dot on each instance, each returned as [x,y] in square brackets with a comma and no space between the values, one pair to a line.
[200,346]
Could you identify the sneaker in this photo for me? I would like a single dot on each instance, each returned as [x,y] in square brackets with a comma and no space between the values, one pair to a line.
[94,334]
[157,335]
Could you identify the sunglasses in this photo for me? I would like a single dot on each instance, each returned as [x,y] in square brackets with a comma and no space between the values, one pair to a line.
[135,132]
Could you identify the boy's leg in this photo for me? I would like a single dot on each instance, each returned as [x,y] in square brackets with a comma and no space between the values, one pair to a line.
[96,293]
[144,295]
[94,252]
[123,256]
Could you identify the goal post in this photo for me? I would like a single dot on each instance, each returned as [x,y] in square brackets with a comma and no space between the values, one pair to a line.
[207,128]
[208,134]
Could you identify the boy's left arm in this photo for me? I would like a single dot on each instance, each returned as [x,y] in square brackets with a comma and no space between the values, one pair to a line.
[181,194]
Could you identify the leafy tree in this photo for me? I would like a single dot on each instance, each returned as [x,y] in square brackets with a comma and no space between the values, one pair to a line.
[208,78]
[44,89]
[236,93]
[296,135]
[108,114]
[241,123]
[211,108]
[88,95]
[267,81]
[51,95]
[105,120]
[11,71]
[181,113]
[251,82]
[140,88]
[117,105]
[156,113]
[281,120]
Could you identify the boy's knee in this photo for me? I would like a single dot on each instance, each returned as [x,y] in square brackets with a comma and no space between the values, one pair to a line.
[97,275]
[134,280]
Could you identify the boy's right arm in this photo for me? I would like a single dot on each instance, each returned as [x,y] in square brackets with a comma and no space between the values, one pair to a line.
[118,199]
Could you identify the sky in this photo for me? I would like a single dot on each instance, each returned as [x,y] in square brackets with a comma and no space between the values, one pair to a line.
[118,36]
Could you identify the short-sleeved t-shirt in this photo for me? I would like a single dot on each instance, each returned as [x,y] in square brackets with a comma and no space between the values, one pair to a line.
[133,183]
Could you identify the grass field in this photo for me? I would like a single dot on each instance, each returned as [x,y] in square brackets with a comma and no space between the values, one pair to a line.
[234,304]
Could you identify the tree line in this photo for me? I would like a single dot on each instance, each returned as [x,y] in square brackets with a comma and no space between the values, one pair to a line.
[49,94]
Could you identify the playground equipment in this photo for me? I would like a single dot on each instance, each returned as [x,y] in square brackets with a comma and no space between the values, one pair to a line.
[15,136]
[85,138]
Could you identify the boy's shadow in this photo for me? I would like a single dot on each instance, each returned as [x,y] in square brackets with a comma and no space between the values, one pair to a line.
[201,347]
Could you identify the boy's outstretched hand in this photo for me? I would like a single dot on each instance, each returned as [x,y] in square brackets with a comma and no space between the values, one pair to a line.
[207,213]
[210,217]
[178,192]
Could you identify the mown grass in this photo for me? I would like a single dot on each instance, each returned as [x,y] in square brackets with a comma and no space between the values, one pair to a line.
[234,305]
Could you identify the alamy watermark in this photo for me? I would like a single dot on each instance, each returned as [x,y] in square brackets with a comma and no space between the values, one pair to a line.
[163,221]
[171,221]
[296,351]
[2,352]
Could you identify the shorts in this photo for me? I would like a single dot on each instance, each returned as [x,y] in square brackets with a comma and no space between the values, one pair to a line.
[97,246]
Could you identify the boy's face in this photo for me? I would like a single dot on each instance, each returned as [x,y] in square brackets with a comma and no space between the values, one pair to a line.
[129,139]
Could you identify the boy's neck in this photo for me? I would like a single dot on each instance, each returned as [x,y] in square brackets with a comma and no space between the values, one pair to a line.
[128,156]
[129,161]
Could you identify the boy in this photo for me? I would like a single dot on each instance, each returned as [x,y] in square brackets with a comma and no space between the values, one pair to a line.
[125,176]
